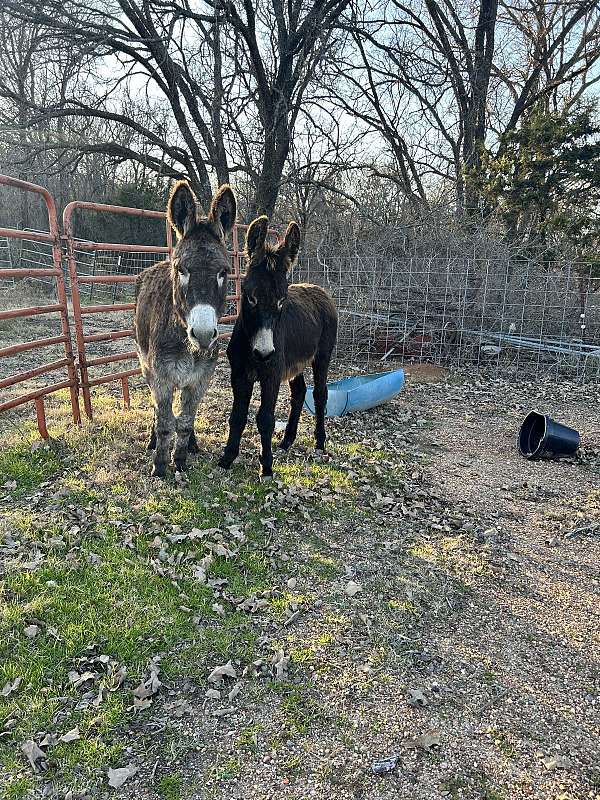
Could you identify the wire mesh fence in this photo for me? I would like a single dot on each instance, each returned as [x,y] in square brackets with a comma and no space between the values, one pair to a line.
[508,317]
[520,317]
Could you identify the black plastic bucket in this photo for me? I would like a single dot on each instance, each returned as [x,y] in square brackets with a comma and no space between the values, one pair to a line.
[540,436]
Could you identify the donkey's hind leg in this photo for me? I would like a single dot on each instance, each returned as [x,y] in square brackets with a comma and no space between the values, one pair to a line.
[152,441]
[320,369]
[193,446]
[164,427]
[298,390]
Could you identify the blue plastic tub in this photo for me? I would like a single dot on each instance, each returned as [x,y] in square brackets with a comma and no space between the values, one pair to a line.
[358,394]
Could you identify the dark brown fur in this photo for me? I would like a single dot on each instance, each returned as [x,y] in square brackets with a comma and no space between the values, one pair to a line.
[281,329]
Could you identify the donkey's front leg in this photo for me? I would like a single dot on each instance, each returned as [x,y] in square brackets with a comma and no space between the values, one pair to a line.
[242,392]
[190,400]
[164,427]
[265,420]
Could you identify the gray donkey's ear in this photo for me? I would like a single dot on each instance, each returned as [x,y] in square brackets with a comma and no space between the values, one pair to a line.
[182,208]
[255,239]
[223,209]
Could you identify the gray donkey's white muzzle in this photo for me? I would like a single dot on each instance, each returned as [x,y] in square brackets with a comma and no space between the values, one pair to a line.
[202,327]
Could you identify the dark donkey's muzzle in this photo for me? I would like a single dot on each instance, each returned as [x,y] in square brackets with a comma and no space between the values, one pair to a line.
[262,344]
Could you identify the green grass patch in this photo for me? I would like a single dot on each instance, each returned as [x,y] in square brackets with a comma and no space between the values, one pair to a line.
[169,787]
[28,468]
[18,789]
[120,605]
[314,476]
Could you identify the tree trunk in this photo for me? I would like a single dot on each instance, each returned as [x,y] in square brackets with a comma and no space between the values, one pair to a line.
[277,146]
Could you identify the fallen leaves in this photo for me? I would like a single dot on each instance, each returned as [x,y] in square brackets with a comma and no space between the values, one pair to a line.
[143,694]
[426,741]
[35,756]
[10,687]
[117,777]
[556,762]
[224,671]
[71,736]
[280,664]
[352,588]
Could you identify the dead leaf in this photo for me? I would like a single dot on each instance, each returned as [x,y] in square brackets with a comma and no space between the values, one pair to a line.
[352,588]
[77,680]
[280,665]
[415,697]
[9,687]
[117,777]
[235,691]
[70,736]
[425,741]
[556,762]
[35,756]
[218,673]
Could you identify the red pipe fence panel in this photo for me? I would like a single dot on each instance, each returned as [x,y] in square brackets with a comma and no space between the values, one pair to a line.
[65,367]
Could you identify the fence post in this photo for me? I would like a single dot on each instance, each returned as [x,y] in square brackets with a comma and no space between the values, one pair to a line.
[76,300]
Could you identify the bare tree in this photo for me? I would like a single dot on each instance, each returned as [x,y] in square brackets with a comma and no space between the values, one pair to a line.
[221,68]
[440,81]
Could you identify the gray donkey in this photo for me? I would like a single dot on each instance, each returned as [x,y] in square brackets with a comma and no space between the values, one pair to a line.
[178,304]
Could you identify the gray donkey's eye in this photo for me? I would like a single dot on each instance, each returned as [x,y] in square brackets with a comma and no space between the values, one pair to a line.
[184,277]
[221,277]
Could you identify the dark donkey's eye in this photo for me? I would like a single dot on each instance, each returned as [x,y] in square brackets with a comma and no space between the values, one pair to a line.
[252,300]
[221,277]
[280,303]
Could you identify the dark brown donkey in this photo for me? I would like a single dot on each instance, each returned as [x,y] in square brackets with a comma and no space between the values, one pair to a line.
[281,329]
[178,303]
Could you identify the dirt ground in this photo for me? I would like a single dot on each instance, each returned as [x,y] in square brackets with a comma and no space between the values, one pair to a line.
[432,627]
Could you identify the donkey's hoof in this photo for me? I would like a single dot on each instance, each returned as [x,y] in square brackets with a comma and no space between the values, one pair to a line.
[180,464]
[283,445]
[265,478]
[320,451]
[225,463]
[159,470]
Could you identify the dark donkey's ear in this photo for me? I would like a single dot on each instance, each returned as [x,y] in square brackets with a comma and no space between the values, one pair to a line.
[223,209]
[291,241]
[181,208]
[255,239]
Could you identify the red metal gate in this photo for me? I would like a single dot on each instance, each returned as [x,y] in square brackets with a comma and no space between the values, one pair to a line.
[54,273]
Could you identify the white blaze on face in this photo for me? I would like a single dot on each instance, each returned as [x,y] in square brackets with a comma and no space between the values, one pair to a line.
[202,325]
[263,342]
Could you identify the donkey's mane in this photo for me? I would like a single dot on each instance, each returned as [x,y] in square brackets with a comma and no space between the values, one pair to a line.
[271,255]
